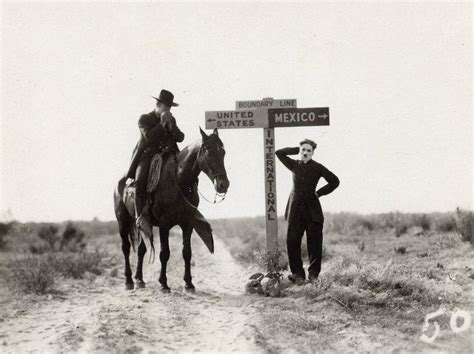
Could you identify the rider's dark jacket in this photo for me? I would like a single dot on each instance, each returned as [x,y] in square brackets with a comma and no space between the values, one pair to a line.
[305,179]
[154,138]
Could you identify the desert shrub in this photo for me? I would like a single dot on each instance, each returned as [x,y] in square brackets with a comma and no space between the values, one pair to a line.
[72,238]
[400,228]
[279,263]
[37,273]
[32,274]
[445,223]
[382,283]
[74,265]
[49,234]
[465,225]
[5,228]
[400,249]
[422,221]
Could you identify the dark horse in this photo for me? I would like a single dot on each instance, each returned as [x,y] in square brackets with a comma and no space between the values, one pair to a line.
[175,202]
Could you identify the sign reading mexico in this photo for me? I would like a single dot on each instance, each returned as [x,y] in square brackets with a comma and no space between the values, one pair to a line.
[293,117]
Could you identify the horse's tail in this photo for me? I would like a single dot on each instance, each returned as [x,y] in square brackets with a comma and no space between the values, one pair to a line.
[203,229]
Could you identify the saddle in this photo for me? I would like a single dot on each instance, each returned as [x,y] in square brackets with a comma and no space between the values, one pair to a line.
[154,175]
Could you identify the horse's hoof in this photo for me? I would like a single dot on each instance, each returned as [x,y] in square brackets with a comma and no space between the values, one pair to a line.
[164,284]
[165,288]
[128,286]
[189,287]
[140,284]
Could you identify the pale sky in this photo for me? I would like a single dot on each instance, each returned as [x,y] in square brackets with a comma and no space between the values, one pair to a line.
[396,77]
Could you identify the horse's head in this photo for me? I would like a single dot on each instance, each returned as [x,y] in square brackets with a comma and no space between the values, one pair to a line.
[211,160]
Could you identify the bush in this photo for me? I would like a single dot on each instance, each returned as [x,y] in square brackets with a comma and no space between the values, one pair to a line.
[445,223]
[422,221]
[400,228]
[71,239]
[5,228]
[32,275]
[401,250]
[465,225]
[37,274]
[49,234]
[74,265]
[357,281]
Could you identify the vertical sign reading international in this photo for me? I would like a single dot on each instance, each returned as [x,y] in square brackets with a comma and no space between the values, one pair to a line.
[270,194]
[270,185]
[271,216]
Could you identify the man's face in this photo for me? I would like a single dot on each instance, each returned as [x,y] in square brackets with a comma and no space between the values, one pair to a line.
[306,152]
[161,107]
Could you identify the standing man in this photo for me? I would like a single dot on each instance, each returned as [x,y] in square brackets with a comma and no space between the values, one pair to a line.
[159,134]
[303,210]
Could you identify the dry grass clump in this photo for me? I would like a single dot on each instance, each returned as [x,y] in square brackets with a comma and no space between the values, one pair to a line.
[53,254]
[355,282]
[75,265]
[37,273]
[32,274]
[465,225]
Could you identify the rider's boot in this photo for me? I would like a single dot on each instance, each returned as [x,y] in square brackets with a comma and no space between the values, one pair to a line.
[142,217]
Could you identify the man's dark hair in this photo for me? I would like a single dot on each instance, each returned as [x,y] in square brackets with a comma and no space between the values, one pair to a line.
[310,142]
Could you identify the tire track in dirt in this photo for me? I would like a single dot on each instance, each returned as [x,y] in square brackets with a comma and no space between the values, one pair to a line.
[103,316]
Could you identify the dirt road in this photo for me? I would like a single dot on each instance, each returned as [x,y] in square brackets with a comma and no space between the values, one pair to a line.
[99,315]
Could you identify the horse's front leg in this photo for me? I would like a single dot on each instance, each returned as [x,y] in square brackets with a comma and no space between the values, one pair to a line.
[187,254]
[139,273]
[164,257]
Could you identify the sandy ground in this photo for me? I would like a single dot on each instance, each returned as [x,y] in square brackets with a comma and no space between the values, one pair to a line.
[99,315]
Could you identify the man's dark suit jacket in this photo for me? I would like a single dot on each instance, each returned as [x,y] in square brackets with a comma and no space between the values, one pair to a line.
[154,138]
[305,179]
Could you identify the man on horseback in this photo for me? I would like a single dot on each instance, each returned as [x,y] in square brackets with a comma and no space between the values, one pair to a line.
[159,135]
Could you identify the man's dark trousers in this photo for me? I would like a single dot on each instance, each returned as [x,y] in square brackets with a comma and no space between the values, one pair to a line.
[141,180]
[300,223]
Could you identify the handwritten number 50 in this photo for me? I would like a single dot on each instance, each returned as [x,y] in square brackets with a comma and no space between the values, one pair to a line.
[466,316]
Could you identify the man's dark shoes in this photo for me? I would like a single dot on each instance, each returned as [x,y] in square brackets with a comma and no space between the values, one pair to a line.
[314,280]
[296,279]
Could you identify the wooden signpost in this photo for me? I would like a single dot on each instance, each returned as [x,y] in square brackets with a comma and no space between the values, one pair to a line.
[268,114]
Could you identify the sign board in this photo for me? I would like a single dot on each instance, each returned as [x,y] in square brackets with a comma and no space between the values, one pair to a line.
[268,114]
[265,104]
[295,117]
[237,119]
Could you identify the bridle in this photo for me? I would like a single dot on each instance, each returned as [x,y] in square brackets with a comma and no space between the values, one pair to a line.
[204,166]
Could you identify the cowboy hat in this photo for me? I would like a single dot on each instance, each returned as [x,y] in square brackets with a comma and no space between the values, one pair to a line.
[166,97]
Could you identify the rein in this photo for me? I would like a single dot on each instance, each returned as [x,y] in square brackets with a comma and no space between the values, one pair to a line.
[212,175]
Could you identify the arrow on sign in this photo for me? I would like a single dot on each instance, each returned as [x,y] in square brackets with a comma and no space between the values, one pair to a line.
[211,120]
[324,116]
